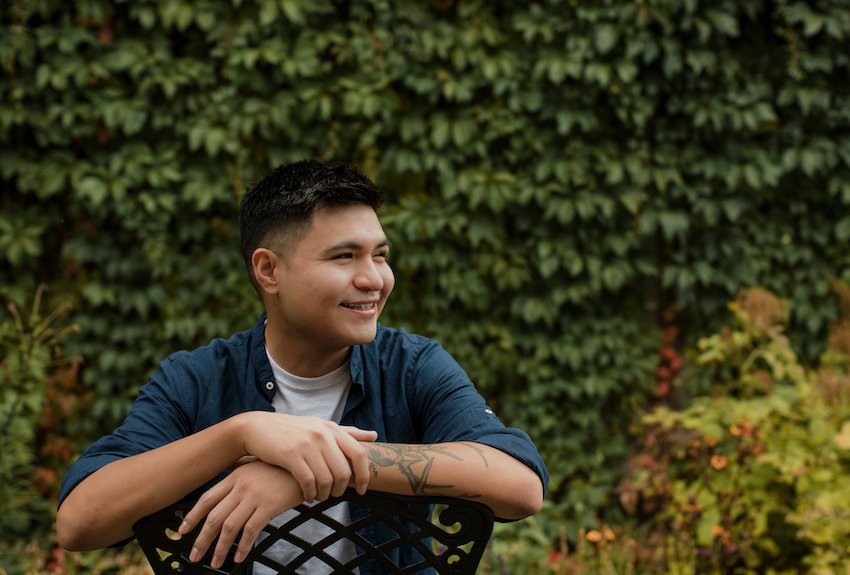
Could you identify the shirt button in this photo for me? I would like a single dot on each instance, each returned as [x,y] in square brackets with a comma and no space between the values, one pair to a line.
[270,385]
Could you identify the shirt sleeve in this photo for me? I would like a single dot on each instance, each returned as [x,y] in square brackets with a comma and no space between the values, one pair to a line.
[156,418]
[450,408]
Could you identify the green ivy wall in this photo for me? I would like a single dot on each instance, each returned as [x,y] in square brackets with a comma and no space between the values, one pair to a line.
[573,186]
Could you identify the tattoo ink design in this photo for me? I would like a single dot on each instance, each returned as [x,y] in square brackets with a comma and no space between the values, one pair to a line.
[480,453]
[414,462]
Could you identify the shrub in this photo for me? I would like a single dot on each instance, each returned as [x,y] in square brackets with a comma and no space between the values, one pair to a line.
[751,477]
[37,385]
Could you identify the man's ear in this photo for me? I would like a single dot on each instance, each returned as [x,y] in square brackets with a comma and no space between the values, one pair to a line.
[265,264]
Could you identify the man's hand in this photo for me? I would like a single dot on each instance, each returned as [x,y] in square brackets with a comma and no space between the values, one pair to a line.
[323,457]
[247,499]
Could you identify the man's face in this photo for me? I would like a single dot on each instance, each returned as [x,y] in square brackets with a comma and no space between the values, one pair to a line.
[334,282]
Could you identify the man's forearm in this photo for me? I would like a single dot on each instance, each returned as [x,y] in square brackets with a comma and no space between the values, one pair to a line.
[321,456]
[462,469]
[102,509]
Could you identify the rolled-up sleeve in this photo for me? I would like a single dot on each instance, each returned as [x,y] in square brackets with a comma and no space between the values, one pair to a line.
[155,419]
[451,409]
[191,390]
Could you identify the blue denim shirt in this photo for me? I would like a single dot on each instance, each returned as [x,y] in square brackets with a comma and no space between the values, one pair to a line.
[404,386]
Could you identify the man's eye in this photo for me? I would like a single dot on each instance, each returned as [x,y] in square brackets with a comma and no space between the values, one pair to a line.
[345,256]
[382,255]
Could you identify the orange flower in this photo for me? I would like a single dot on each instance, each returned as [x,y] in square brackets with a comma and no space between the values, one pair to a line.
[593,536]
[719,462]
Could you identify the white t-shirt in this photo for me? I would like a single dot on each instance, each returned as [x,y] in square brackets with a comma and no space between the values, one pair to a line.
[323,397]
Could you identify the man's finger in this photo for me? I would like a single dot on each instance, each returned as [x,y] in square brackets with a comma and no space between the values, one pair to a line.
[340,470]
[303,475]
[212,527]
[322,472]
[358,461]
[253,528]
[230,528]
[204,505]
[360,434]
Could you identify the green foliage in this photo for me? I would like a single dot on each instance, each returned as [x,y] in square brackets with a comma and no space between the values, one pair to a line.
[750,478]
[31,441]
[35,558]
[573,187]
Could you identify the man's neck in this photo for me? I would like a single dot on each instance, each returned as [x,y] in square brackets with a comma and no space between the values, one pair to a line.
[302,362]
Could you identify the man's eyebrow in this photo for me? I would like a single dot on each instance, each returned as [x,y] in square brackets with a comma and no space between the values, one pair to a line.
[355,246]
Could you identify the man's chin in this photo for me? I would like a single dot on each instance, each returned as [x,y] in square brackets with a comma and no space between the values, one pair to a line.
[364,336]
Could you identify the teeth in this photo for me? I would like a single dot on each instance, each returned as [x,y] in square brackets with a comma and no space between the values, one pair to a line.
[359,306]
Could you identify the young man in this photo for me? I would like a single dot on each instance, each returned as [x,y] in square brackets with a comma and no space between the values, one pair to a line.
[315,398]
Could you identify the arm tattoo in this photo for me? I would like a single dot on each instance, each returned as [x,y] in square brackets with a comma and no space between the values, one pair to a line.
[480,453]
[414,463]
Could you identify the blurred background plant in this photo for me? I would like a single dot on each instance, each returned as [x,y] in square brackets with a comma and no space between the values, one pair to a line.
[42,402]
[749,478]
[36,400]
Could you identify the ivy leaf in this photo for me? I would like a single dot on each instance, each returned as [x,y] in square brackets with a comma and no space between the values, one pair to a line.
[673,223]
[842,229]
[605,37]
[92,188]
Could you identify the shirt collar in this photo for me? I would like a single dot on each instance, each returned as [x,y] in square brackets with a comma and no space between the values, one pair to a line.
[265,376]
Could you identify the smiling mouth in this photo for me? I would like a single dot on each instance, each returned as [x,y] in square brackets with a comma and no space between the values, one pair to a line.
[359,306]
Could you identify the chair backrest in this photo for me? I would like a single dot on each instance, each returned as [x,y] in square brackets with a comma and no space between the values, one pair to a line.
[447,535]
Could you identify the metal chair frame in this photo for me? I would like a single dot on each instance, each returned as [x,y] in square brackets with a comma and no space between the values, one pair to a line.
[449,534]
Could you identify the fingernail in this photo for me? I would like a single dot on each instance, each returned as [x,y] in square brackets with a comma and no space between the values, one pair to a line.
[238,557]
[193,556]
[183,528]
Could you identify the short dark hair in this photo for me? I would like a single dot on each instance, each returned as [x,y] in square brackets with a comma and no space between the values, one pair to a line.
[278,208]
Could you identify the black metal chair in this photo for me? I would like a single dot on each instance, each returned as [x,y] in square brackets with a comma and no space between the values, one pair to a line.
[447,535]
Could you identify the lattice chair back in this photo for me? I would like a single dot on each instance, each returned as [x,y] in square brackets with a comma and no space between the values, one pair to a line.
[444,535]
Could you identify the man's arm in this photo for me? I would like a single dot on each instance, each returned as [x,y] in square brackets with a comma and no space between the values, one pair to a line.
[461,469]
[321,456]
[102,509]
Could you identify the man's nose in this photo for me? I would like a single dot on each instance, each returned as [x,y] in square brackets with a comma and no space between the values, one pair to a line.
[369,277]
